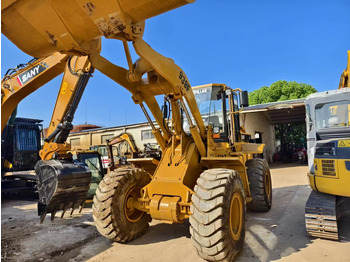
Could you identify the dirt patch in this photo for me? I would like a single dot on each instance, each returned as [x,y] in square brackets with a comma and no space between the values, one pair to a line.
[9,249]
[278,235]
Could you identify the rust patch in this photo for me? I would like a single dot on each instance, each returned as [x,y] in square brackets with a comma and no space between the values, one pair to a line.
[117,24]
[89,8]
[53,40]
[111,26]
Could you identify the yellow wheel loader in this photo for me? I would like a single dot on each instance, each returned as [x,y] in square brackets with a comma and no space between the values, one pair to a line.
[207,172]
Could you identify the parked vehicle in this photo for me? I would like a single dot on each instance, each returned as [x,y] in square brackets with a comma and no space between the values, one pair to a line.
[20,146]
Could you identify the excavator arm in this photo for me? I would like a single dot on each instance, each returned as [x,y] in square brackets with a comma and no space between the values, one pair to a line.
[71,90]
[344,78]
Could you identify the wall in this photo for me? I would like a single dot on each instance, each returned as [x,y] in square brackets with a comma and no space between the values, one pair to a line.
[97,137]
[258,122]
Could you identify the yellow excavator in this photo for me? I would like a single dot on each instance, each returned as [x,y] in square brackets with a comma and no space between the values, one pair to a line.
[150,155]
[328,134]
[207,172]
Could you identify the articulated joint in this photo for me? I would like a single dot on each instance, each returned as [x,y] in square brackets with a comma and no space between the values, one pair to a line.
[160,207]
[165,208]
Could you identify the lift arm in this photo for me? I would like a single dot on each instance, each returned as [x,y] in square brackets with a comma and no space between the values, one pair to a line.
[164,77]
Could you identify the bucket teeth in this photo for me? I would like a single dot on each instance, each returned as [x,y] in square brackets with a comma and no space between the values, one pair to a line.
[71,212]
[53,215]
[81,207]
[71,206]
[64,211]
[42,217]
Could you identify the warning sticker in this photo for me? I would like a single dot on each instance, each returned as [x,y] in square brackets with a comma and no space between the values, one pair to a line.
[344,143]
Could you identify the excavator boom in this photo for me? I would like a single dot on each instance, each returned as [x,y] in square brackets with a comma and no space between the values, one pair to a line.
[19,83]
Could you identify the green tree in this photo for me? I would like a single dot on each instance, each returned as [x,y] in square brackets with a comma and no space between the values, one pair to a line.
[290,133]
[280,91]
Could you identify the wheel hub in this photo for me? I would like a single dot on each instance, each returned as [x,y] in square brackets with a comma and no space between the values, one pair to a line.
[236,215]
[268,186]
[131,213]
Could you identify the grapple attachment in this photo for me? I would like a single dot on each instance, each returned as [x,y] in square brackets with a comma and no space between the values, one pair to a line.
[62,185]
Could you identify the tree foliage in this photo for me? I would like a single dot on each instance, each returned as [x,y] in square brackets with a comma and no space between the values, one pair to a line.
[290,134]
[280,91]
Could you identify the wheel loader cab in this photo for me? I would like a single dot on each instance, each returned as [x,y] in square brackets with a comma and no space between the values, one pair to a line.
[214,103]
[212,107]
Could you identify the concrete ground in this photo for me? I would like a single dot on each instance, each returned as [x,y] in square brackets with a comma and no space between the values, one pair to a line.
[278,235]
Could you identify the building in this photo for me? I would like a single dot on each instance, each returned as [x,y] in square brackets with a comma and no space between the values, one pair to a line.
[258,120]
[142,133]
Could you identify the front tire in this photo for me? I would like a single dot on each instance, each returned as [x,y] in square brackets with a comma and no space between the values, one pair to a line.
[218,215]
[114,217]
[260,185]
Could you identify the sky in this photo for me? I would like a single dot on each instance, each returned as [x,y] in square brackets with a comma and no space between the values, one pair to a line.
[245,44]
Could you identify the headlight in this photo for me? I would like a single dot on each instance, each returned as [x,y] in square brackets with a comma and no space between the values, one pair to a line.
[216,130]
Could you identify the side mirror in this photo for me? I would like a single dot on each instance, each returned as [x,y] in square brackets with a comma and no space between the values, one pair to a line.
[244,99]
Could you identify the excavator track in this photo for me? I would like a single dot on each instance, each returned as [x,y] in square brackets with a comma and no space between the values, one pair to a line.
[62,185]
[320,216]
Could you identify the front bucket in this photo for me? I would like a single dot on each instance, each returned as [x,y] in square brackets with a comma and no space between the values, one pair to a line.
[62,185]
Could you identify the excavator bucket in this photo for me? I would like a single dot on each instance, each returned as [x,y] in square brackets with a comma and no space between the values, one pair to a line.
[62,185]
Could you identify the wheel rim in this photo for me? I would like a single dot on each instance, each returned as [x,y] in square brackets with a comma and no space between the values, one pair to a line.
[236,215]
[268,185]
[132,214]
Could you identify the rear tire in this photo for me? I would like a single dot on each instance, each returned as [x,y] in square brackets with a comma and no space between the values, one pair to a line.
[259,178]
[218,215]
[113,218]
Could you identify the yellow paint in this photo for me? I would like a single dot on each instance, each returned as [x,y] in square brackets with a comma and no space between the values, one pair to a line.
[344,143]
[344,78]
[336,184]
[333,110]
[64,88]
